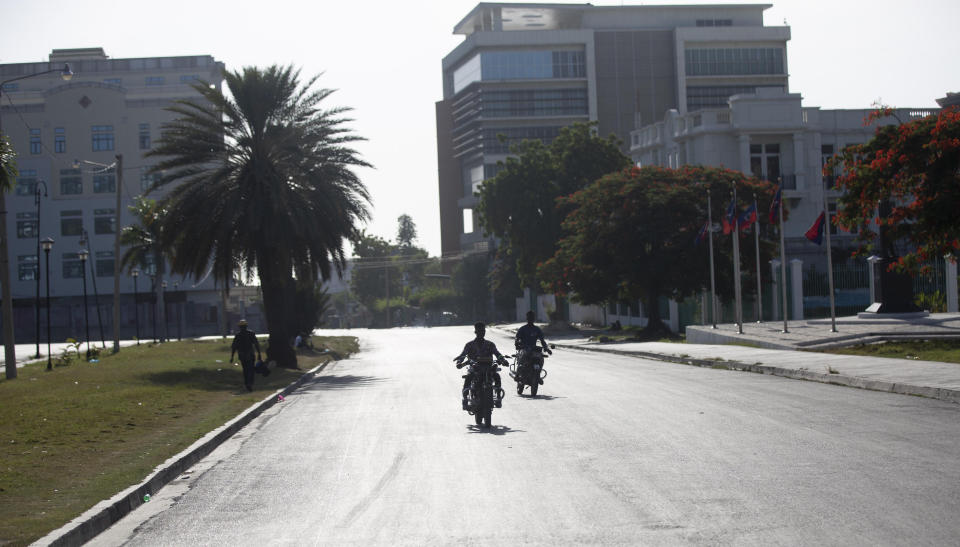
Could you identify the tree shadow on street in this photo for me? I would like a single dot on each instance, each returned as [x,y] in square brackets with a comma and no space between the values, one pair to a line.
[324,383]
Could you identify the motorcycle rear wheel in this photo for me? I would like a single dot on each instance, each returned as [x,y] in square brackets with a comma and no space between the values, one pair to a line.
[486,418]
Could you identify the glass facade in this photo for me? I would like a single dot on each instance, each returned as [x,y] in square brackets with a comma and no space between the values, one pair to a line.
[105,182]
[712,96]
[72,266]
[519,65]
[27,267]
[104,221]
[734,61]
[104,263]
[27,182]
[493,144]
[534,102]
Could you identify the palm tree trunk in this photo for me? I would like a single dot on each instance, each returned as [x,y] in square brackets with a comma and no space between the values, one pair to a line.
[276,283]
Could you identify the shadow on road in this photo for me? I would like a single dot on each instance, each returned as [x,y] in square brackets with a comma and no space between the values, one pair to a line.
[539,397]
[493,429]
[339,382]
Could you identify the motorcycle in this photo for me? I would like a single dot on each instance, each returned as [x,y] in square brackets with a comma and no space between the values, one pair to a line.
[527,369]
[481,399]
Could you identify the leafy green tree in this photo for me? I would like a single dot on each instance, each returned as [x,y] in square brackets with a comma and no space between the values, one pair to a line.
[631,235]
[370,275]
[912,169]
[143,247]
[406,231]
[518,205]
[267,184]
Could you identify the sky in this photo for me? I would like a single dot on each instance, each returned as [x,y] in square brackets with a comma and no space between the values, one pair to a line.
[384,60]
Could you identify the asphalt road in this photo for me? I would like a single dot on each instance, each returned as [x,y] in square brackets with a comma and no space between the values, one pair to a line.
[615,450]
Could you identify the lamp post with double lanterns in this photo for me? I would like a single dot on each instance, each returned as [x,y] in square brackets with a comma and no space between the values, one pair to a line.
[36,200]
[84,254]
[6,294]
[47,244]
[136,304]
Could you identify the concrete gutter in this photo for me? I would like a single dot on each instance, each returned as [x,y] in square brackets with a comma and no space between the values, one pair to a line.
[104,514]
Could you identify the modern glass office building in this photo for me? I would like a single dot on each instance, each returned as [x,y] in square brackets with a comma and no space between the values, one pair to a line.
[523,71]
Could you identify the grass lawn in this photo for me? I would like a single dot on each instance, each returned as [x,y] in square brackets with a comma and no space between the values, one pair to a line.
[79,434]
[925,350]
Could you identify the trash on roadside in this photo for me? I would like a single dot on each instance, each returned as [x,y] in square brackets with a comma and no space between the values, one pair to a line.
[280,398]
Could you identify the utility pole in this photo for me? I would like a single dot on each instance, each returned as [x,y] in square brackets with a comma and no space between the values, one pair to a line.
[116,258]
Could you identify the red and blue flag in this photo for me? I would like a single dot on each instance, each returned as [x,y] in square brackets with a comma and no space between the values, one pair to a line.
[730,219]
[815,233]
[702,234]
[775,207]
[748,217]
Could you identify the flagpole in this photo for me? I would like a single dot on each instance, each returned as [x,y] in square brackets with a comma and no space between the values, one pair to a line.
[756,243]
[783,258]
[713,284]
[736,264]
[826,228]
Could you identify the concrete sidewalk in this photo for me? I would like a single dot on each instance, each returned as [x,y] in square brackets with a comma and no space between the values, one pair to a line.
[906,376]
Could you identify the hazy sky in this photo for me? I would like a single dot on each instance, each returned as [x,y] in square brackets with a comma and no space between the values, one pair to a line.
[384,57]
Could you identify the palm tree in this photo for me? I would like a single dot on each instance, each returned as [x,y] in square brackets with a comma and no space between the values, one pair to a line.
[265,184]
[8,175]
[142,241]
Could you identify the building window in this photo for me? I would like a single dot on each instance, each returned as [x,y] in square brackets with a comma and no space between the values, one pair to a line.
[72,266]
[147,179]
[27,267]
[714,22]
[826,152]
[155,80]
[497,140]
[102,137]
[189,78]
[27,182]
[11,87]
[113,81]
[26,225]
[36,144]
[144,136]
[765,161]
[734,61]
[104,263]
[59,140]
[468,221]
[71,181]
[716,96]
[534,102]
[71,223]
[104,221]
[105,182]
[520,65]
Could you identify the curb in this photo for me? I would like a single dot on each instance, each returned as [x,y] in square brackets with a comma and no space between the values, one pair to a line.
[942,394]
[104,514]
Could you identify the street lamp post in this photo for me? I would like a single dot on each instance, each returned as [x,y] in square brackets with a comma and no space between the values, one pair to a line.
[176,286]
[85,243]
[47,244]
[36,200]
[153,281]
[163,310]
[6,294]
[84,254]
[136,303]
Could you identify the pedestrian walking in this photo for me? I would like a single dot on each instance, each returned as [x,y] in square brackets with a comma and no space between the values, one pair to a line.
[243,345]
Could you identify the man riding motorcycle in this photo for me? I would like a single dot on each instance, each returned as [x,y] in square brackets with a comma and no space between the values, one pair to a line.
[482,351]
[526,341]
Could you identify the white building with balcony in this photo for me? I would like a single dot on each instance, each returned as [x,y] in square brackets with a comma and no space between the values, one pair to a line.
[769,134]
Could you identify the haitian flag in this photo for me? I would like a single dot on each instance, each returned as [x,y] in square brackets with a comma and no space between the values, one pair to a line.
[815,233]
[775,207]
[730,219]
[748,217]
[702,234]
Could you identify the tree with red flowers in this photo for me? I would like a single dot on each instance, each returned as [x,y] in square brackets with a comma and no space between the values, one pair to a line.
[631,235]
[911,170]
